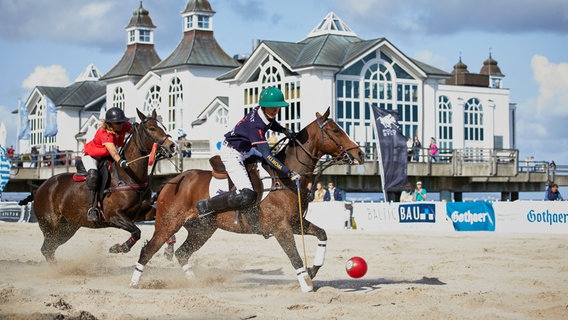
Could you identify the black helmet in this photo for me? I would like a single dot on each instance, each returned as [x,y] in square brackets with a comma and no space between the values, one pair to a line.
[115,115]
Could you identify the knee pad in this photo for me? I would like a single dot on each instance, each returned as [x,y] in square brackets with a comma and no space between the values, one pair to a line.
[92,179]
[248,196]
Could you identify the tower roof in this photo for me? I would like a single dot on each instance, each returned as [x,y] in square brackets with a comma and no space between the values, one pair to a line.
[490,67]
[198,6]
[460,67]
[331,24]
[140,18]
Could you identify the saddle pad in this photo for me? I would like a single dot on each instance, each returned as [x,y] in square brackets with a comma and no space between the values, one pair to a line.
[217,186]
[78,178]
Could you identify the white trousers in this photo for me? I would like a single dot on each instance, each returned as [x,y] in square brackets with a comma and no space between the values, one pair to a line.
[89,162]
[233,161]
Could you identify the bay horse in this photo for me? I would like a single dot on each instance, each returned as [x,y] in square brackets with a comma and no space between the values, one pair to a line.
[278,213]
[61,206]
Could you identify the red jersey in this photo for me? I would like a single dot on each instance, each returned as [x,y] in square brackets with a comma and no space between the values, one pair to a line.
[96,148]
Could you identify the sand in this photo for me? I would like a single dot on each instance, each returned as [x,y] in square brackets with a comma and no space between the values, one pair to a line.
[411,276]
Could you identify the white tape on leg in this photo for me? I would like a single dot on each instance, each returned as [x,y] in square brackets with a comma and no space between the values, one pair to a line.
[305,280]
[320,253]
[188,271]
[136,275]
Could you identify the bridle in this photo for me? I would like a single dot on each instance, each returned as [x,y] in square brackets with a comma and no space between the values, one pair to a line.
[144,134]
[344,156]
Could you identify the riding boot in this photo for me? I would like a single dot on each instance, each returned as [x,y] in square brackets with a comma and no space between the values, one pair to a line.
[93,214]
[226,201]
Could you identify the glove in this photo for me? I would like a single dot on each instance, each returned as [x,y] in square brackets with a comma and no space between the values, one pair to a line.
[290,134]
[123,164]
[293,175]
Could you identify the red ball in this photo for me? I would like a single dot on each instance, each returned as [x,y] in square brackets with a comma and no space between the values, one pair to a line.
[356,267]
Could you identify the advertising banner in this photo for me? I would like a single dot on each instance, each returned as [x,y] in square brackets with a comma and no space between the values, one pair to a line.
[471,216]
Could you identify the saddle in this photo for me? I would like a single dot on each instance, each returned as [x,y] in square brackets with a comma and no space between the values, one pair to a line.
[103,166]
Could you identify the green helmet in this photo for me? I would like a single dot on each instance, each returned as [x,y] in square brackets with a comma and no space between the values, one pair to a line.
[272,97]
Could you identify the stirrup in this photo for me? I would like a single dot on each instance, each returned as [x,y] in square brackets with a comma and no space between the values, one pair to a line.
[93,214]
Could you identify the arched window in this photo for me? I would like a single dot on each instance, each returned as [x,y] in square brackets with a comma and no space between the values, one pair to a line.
[175,97]
[221,116]
[153,100]
[445,124]
[272,73]
[118,98]
[473,120]
[37,125]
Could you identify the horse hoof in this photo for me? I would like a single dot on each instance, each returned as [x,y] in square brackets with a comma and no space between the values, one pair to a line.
[119,248]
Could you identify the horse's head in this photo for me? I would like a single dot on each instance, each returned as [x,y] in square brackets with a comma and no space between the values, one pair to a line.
[151,131]
[334,141]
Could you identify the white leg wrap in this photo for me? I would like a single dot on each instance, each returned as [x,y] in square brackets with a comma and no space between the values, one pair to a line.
[305,280]
[320,253]
[188,272]
[136,275]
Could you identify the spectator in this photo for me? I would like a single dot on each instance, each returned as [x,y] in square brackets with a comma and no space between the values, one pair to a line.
[10,155]
[409,148]
[419,192]
[35,154]
[433,150]
[407,194]
[185,146]
[332,193]
[319,194]
[416,146]
[552,193]
[309,192]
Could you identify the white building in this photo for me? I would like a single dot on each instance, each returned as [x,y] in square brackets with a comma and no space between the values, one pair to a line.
[202,90]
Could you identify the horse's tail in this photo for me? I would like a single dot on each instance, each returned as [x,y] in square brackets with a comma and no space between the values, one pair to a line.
[27,200]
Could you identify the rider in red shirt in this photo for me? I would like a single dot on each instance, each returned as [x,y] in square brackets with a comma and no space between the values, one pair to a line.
[108,138]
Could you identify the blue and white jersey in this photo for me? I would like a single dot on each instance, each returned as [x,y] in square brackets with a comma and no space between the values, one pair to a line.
[251,130]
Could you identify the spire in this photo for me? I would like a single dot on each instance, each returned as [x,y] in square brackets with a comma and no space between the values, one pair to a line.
[490,67]
[331,24]
[140,29]
[198,15]
[460,67]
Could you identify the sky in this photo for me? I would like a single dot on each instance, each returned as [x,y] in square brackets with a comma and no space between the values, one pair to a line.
[50,42]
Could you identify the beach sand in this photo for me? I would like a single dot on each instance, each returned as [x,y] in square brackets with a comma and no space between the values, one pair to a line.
[416,275]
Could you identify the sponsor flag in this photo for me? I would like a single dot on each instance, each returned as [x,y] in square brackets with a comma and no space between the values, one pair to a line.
[50,118]
[24,133]
[4,169]
[392,148]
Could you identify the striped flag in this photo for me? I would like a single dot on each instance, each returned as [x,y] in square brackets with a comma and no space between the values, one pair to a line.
[4,169]
[24,133]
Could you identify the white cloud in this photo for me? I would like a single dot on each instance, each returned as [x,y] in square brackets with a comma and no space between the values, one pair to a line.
[552,80]
[432,59]
[54,75]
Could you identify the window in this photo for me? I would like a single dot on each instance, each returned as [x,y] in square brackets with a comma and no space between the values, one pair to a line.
[445,126]
[144,36]
[153,100]
[189,22]
[221,116]
[118,98]
[131,36]
[473,120]
[175,97]
[203,22]
[272,73]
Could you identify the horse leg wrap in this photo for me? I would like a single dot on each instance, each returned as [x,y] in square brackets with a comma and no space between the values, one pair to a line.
[320,253]
[188,271]
[136,275]
[305,280]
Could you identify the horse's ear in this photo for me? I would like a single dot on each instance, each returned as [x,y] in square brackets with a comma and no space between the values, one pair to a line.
[154,114]
[140,115]
[325,115]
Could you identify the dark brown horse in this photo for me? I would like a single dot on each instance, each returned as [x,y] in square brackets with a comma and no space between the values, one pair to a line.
[278,213]
[61,203]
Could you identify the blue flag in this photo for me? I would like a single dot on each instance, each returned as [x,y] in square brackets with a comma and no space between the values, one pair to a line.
[24,133]
[392,144]
[50,118]
[4,169]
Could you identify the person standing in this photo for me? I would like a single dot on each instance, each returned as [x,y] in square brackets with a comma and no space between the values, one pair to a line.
[332,193]
[407,195]
[433,150]
[409,148]
[416,146]
[419,192]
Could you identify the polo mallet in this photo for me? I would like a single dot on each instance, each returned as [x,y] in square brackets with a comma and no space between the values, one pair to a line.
[302,224]
[151,156]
